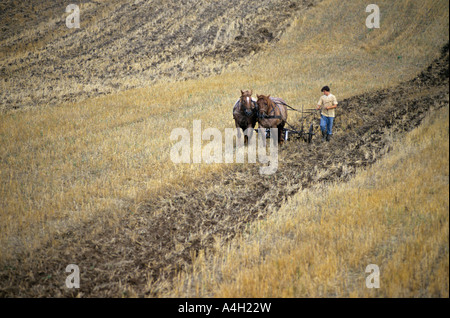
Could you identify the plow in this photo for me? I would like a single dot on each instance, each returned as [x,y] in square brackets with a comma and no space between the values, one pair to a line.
[305,131]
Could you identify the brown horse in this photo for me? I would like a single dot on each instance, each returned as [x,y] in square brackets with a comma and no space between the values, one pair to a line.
[272,113]
[245,113]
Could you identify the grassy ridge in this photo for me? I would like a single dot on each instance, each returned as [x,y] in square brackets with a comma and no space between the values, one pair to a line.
[394,215]
[104,156]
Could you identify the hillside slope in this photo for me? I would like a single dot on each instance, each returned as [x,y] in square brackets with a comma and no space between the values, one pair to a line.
[392,213]
[92,182]
[126,44]
[141,253]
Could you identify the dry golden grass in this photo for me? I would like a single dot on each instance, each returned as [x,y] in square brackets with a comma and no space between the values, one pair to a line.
[103,156]
[394,215]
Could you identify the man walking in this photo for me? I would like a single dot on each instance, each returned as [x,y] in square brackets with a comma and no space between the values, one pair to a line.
[327,104]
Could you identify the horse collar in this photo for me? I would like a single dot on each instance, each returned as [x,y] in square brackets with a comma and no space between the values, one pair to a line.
[264,116]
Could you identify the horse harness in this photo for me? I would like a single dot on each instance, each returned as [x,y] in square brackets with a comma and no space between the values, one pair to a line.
[261,115]
[264,116]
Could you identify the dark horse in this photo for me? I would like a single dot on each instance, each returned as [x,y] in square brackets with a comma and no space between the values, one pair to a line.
[245,113]
[272,113]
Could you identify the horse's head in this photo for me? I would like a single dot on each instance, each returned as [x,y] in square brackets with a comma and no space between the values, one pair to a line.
[264,103]
[246,101]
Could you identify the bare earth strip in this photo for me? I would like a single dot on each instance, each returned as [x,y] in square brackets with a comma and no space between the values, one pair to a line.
[139,254]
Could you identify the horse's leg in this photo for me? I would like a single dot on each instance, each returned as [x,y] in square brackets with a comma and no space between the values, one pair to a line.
[245,137]
[239,128]
[263,135]
[280,133]
[249,130]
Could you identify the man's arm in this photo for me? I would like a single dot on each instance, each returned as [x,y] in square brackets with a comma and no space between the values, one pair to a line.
[319,104]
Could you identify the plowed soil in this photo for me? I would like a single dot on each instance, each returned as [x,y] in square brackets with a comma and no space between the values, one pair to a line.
[141,254]
[126,44]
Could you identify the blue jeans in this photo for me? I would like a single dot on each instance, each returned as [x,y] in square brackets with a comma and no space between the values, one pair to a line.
[326,124]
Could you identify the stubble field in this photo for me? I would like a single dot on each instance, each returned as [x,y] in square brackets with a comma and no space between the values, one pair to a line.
[91,182]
